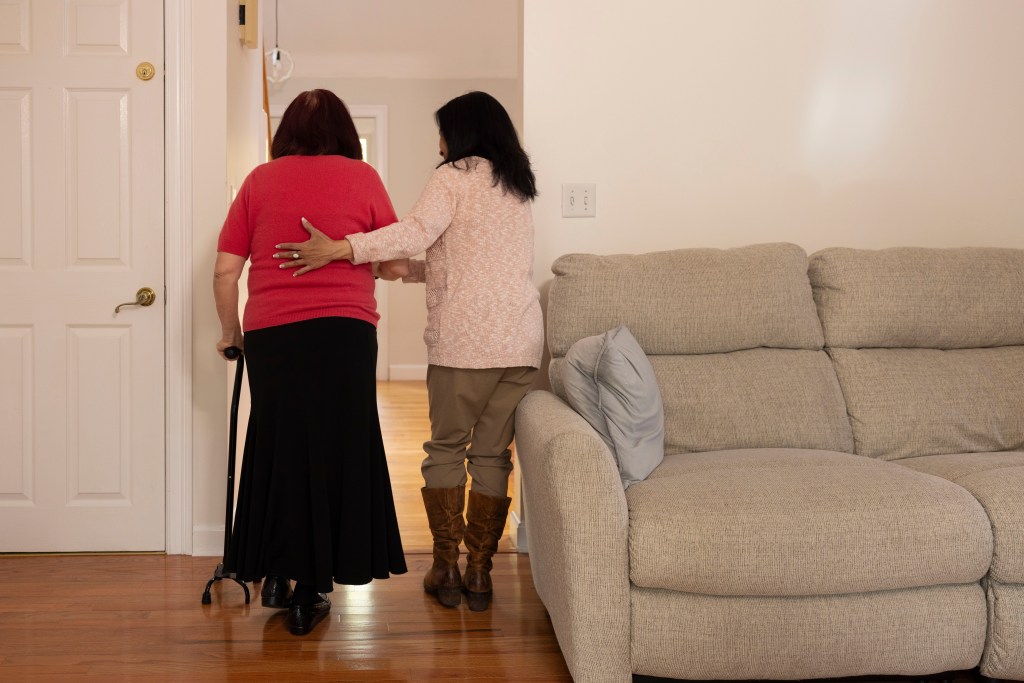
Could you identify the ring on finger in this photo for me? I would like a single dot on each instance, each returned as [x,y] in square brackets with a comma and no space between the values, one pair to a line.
[295,254]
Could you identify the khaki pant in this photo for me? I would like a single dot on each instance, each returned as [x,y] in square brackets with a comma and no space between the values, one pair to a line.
[472,414]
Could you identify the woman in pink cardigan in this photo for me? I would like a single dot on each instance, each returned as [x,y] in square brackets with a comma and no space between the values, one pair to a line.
[484,331]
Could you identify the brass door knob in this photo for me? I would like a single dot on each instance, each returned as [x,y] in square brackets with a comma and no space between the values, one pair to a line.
[143,297]
[145,71]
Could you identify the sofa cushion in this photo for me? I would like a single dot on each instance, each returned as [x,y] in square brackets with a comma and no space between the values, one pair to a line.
[778,522]
[928,346]
[912,402]
[919,297]
[758,398]
[1004,656]
[706,637]
[997,481]
[687,301]
[609,381]
[773,398]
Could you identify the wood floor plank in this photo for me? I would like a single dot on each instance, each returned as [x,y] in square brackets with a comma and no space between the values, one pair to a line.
[140,618]
[405,425]
[111,617]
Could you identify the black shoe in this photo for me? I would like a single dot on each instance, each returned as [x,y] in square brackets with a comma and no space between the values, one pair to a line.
[276,592]
[302,618]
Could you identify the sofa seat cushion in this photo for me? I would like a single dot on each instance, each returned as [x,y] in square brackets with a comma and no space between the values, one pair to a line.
[797,522]
[997,481]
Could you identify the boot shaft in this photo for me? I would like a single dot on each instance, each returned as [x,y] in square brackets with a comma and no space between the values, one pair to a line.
[486,517]
[447,527]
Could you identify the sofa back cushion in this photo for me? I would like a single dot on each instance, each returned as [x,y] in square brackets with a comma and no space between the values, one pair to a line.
[733,337]
[928,346]
[687,301]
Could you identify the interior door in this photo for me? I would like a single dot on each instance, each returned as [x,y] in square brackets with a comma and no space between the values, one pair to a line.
[81,231]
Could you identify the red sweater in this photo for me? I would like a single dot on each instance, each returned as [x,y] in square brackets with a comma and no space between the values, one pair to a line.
[339,196]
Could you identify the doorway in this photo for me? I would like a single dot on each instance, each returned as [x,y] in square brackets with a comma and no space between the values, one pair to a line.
[398,56]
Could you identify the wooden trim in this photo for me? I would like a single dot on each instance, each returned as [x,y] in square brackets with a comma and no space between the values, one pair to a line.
[178,275]
[379,112]
[401,373]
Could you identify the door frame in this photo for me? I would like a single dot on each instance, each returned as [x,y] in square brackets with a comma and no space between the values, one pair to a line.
[178,273]
[379,114]
[178,223]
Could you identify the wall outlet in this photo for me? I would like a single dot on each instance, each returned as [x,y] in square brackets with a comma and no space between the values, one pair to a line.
[579,200]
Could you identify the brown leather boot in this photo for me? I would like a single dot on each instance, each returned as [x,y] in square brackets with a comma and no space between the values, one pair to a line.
[486,522]
[444,513]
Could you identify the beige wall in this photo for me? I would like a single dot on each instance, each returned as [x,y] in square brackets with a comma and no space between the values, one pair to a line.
[229,141]
[412,156]
[819,122]
[704,123]
[227,144]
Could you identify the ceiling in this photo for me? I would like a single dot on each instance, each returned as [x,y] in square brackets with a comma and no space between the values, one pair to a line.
[397,38]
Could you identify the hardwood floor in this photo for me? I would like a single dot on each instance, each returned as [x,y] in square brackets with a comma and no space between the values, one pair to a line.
[140,617]
[404,423]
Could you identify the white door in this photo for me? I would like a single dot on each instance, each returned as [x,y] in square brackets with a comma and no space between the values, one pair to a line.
[81,231]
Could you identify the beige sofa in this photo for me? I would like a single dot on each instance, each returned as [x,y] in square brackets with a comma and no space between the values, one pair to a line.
[843,487]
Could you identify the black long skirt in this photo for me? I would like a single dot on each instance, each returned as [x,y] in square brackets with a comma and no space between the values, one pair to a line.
[314,498]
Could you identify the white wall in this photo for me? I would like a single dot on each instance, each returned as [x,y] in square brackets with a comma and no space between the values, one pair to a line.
[719,123]
[703,123]
[229,139]
[820,122]
[412,156]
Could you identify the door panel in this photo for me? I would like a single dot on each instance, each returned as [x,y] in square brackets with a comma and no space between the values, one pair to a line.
[81,230]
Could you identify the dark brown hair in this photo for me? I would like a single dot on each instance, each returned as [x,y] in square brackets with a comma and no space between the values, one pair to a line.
[316,123]
[475,124]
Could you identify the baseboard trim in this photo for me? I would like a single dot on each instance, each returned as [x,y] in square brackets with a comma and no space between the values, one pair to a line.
[208,540]
[518,533]
[407,372]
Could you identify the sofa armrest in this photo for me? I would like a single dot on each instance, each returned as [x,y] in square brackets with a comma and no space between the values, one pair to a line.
[577,525]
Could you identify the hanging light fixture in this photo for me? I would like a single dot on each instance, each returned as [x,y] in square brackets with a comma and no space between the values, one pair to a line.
[278,62]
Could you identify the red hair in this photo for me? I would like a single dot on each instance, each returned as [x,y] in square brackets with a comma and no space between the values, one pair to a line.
[316,123]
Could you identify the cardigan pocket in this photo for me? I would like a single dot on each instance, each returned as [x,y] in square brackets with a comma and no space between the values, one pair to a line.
[436,277]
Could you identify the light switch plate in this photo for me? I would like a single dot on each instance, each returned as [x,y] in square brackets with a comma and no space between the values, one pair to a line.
[579,200]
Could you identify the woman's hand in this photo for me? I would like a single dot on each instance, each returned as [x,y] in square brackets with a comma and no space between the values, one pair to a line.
[235,339]
[316,252]
[393,270]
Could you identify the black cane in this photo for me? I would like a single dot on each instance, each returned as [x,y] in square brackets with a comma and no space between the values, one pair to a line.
[232,352]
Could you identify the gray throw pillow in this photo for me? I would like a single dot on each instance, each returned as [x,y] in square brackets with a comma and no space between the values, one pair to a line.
[610,382]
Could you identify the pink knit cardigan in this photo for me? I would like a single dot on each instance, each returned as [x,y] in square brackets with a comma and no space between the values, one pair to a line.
[483,310]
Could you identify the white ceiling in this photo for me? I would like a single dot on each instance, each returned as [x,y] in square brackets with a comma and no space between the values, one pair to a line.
[397,38]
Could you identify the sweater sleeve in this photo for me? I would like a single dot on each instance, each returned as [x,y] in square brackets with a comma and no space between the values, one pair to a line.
[429,218]
[417,272]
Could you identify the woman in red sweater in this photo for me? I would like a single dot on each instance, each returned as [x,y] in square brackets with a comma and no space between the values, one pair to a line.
[314,503]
